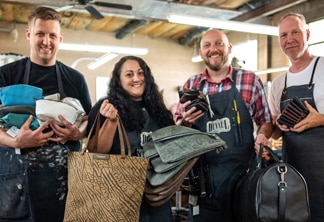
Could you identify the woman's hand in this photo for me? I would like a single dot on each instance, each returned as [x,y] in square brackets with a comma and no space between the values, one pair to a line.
[108,110]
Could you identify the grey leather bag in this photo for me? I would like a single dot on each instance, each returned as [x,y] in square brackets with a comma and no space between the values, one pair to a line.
[171,147]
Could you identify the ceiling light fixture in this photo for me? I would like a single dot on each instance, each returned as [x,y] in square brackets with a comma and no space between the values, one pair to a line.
[102,60]
[103,48]
[224,24]
[196,58]
[272,70]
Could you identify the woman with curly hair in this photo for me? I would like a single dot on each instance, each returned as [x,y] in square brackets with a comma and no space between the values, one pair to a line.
[134,96]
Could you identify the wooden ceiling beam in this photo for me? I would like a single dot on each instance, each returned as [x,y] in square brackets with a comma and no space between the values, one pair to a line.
[267,9]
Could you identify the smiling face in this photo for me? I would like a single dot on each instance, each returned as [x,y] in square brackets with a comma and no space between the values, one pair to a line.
[215,49]
[44,37]
[132,79]
[293,36]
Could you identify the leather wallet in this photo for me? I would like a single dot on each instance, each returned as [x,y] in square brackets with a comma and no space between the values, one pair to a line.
[293,113]
[199,104]
[197,98]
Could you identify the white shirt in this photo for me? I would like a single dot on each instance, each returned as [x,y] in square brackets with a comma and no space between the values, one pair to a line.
[295,79]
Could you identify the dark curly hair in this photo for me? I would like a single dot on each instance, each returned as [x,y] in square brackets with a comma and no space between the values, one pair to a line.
[152,99]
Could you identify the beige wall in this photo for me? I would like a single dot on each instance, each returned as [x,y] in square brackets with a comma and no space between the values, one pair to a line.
[170,62]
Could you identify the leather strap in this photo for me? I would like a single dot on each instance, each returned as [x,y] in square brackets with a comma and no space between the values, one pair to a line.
[123,138]
[282,203]
[282,192]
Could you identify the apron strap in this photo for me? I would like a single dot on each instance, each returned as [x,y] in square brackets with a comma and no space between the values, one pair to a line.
[58,76]
[310,84]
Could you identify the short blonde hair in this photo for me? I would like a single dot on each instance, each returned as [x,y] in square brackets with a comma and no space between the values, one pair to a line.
[293,14]
[44,13]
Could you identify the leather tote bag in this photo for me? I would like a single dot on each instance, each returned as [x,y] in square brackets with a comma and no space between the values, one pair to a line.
[276,193]
[105,187]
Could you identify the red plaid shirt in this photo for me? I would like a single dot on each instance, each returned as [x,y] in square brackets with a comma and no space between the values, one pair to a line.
[248,84]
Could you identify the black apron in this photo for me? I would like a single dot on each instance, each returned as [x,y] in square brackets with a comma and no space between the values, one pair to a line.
[33,184]
[148,213]
[305,150]
[233,123]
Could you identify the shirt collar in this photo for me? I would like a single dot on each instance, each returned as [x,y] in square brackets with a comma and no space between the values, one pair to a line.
[205,76]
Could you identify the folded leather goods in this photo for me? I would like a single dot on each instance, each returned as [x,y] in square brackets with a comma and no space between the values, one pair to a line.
[293,113]
[159,194]
[71,110]
[4,110]
[171,147]
[174,143]
[199,104]
[156,179]
[172,151]
[20,95]
[197,98]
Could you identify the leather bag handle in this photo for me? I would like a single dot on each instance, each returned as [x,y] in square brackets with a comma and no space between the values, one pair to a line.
[123,138]
[282,185]
[270,151]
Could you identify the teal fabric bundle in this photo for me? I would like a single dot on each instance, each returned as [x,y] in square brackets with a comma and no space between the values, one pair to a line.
[18,119]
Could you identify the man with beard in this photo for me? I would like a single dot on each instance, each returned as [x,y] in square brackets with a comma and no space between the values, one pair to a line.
[236,100]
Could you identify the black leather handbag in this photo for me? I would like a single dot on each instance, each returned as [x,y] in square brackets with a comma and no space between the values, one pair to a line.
[276,193]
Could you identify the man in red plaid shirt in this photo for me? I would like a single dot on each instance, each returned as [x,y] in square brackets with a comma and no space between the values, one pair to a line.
[236,98]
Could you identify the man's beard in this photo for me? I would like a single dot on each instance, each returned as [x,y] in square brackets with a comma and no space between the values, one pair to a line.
[216,67]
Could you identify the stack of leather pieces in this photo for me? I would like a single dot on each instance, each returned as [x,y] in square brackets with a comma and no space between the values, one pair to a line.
[293,113]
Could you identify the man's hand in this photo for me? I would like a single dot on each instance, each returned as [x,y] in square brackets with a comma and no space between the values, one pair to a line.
[27,138]
[313,119]
[261,139]
[190,116]
[64,133]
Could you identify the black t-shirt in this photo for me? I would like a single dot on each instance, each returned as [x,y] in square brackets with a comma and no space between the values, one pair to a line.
[74,84]
[135,138]
[45,77]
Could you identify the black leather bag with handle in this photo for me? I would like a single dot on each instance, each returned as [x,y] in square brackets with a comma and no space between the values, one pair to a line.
[276,193]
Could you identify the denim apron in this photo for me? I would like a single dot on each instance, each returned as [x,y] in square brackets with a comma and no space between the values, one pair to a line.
[33,184]
[148,213]
[233,123]
[305,150]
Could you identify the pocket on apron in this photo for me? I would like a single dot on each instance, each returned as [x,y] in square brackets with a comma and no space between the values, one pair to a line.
[14,197]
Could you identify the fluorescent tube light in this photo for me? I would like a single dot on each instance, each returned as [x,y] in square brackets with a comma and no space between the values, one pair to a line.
[102,60]
[224,24]
[76,62]
[196,58]
[103,48]
[272,70]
